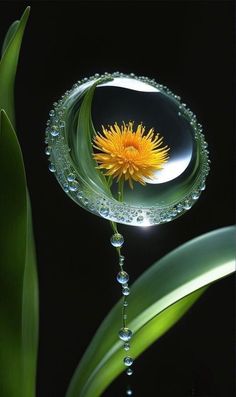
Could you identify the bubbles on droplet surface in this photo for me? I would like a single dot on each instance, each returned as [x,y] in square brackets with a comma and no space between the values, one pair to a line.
[48,150]
[73,186]
[54,132]
[140,218]
[122,277]
[128,361]
[117,240]
[52,167]
[104,211]
[195,195]
[71,177]
[125,334]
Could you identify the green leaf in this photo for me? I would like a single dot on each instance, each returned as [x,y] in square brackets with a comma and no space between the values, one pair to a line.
[8,64]
[18,279]
[159,298]
[10,33]
[82,148]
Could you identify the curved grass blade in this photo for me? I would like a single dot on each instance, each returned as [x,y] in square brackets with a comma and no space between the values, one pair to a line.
[10,33]
[83,149]
[159,298]
[8,64]
[18,279]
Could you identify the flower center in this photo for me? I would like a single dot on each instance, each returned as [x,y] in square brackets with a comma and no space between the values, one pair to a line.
[131,149]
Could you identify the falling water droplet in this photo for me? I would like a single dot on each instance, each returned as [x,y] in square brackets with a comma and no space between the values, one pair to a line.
[128,361]
[125,334]
[122,277]
[117,240]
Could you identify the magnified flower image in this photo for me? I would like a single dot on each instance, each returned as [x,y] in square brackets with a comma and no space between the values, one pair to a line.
[128,154]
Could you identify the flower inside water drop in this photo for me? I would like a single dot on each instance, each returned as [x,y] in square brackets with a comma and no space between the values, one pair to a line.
[130,155]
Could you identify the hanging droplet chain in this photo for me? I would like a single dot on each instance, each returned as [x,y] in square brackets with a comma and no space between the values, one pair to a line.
[125,334]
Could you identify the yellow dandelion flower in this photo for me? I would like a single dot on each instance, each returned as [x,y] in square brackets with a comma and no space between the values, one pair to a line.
[130,155]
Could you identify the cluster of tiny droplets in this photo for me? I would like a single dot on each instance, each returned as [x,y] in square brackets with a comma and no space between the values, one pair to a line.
[125,334]
[60,164]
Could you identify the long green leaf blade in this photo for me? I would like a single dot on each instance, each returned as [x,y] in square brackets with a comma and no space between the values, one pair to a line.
[8,65]
[18,279]
[10,34]
[159,298]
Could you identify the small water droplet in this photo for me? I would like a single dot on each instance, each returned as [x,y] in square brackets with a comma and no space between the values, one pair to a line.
[195,195]
[71,177]
[129,371]
[140,218]
[117,240]
[48,150]
[125,334]
[125,291]
[128,361]
[125,304]
[126,346]
[129,392]
[66,187]
[54,132]
[187,205]
[52,167]
[122,277]
[73,186]
[104,211]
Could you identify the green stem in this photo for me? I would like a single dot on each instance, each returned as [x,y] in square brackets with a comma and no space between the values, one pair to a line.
[121,190]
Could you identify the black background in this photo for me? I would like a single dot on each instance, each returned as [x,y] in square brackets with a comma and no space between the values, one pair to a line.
[187,46]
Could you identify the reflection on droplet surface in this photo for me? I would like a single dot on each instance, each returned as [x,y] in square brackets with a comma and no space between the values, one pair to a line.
[128,361]
[122,277]
[125,334]
[117,240]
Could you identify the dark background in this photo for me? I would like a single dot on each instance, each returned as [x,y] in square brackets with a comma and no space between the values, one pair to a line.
[187,46]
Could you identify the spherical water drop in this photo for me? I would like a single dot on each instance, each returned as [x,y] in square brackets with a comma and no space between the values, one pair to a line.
[54,132]
[195,195]
[125,334]
[104,211]
[125,291]
[129,392]
[128,361]
[73,186]
[117,240]
[71,177]
[122,277]
[52,167]
[126,346]
[140,218]
[129,371]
